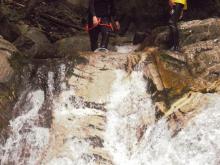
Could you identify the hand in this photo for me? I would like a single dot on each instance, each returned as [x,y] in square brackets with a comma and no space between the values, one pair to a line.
[117,25]
[95,21]
[171,3]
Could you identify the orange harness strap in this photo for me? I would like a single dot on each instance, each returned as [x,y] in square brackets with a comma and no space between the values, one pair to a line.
[87,28]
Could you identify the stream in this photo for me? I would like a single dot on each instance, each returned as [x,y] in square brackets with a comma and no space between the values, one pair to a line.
[65,141]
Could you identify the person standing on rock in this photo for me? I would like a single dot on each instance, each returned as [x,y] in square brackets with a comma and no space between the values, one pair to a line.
[178,6]
[101,12]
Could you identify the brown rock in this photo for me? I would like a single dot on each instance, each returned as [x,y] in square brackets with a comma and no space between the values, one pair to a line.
[35,44]
[6,71]
[6,50]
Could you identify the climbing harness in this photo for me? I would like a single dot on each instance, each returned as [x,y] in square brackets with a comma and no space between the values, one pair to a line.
[87,28]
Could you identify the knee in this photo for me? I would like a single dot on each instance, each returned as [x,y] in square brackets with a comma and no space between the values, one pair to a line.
[173,25]
[172,22]
[106,32]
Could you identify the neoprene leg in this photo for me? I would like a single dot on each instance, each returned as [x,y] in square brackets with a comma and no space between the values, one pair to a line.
[94,35]
[174,32]
[105,38]
[105,33]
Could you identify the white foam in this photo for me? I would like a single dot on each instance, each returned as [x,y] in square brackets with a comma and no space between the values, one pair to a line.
[67,110]
[128,104]
[126,49]
[197,144]
[50,83]
[62,72]
[25,136]
[73,153]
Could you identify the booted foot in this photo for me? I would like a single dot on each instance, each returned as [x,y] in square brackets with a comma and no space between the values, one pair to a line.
[101,50]
[176,49]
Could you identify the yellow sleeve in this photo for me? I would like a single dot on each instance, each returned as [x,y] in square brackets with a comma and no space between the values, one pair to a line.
[184,2]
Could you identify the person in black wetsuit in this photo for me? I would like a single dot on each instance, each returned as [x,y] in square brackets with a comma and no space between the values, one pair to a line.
[101,12]
[177,6]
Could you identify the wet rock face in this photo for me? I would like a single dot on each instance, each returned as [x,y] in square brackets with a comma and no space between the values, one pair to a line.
[173,74]
[199,59]
[93,80]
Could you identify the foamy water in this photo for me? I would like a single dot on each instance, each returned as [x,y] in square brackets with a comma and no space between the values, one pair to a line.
[197,144]
[129,107]
[126,49]
[27,140]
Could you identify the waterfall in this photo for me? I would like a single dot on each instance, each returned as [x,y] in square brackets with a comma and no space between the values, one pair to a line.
[124,128]
[27,140]
[128,107]
[197,144]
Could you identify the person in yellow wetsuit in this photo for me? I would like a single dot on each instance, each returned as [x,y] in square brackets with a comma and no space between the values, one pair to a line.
[177,6]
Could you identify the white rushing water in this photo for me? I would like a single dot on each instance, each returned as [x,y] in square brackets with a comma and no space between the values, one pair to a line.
[27,140]
[73,150]
[125,49]
[197,144]
[129,107]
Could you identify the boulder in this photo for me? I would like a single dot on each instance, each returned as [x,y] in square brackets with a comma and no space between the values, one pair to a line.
[35,44]
[8,29]
[6,50]
[6,71]
[7,74]
[199,30]
[68,46]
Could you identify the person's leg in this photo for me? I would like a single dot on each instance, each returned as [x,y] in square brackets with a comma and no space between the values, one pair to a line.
[105,33]
[94,35]
[174,32]
[105,38]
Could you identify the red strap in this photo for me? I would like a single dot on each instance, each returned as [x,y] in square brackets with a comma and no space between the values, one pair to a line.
[87,28]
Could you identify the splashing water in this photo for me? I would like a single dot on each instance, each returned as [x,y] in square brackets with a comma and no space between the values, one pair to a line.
[129,108]
[68,112]
[197,144]
[26,140]
[126,49]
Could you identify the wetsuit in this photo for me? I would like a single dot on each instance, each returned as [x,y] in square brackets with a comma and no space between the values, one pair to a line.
[177,9]
[105,10]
